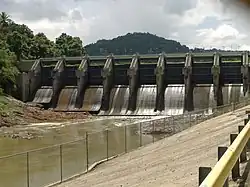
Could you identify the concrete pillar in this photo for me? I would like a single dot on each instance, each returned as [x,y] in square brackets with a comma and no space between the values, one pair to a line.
[245,72]
[58,81]
[82,80]
[160,82]
[189,87]
[34,79]
[217,80]
[24,86]
[134,81]
[108,79]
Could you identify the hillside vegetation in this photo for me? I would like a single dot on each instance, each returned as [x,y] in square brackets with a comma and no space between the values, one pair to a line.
[131,43]
[17,41]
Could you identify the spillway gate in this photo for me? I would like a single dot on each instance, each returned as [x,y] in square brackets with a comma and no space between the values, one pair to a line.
[136,85]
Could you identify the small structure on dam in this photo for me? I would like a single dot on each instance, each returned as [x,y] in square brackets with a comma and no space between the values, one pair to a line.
[138,84]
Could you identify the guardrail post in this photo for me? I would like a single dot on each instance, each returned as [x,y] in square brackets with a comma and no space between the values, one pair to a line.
[153,132]
[107,134]
[203,173]
[245,123]
[125,137]
[28,169]
[221,151]
[87,150]
[236,168]
[190,117]
[140,135]
[243,155]
[61,163]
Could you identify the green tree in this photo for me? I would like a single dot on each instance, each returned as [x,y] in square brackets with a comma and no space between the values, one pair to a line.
[16,44]
[42,47]
[8,70]
[24,36]
[69,46]
[4,20]
[22,29]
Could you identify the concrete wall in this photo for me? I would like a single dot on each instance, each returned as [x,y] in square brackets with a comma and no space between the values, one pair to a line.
[170,69]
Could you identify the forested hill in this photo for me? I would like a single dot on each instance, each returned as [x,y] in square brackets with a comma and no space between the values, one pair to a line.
[131,43]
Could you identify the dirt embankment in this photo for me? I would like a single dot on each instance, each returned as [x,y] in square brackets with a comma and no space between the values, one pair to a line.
[171,162]
[14,112]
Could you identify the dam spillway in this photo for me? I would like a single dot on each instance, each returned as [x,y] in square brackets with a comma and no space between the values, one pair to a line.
[174,100]
[92,99]
[165,84]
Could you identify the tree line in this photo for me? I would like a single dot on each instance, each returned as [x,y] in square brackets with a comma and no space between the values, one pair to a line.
[17,41]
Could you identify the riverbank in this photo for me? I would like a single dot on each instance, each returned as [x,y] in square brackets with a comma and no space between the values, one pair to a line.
[14,112]
[172,161]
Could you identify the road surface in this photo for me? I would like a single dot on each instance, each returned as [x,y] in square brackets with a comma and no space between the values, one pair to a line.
[171,162]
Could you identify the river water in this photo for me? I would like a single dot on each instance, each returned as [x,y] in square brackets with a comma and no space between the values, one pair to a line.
[45,166]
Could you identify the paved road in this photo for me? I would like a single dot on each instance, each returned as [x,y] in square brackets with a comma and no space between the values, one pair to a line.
[171,162]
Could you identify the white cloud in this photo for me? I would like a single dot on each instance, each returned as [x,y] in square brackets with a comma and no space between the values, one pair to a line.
[197,14]
[183,20]
[224,33]
[224,36]
[54,28]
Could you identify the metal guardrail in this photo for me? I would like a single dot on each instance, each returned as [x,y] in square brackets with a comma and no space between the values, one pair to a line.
[55,164]
[229,159]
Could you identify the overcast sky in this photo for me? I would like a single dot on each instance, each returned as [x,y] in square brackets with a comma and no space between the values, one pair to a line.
[203,23]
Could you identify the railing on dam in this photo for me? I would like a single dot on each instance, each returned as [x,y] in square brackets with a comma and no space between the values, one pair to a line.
[229,159]
[58,163]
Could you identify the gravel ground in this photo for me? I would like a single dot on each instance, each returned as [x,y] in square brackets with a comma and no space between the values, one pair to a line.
[170,162]
[14,112]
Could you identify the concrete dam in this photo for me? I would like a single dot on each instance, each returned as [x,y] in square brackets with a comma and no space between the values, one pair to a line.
[166,84]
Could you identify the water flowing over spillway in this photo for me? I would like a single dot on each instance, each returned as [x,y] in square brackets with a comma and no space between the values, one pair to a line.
[232,93]
[72,101]
[146,99]
[174,100]
[92,99]
[43,95]
[119,100]
[67,99]
[204,97]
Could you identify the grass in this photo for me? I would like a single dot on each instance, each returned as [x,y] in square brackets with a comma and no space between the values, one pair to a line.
[3,103]
[8,107]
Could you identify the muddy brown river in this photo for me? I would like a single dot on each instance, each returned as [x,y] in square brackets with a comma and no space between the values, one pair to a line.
[45,166]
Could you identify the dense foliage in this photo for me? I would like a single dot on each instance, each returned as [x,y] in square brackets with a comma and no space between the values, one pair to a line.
[19,42]
[143,43]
